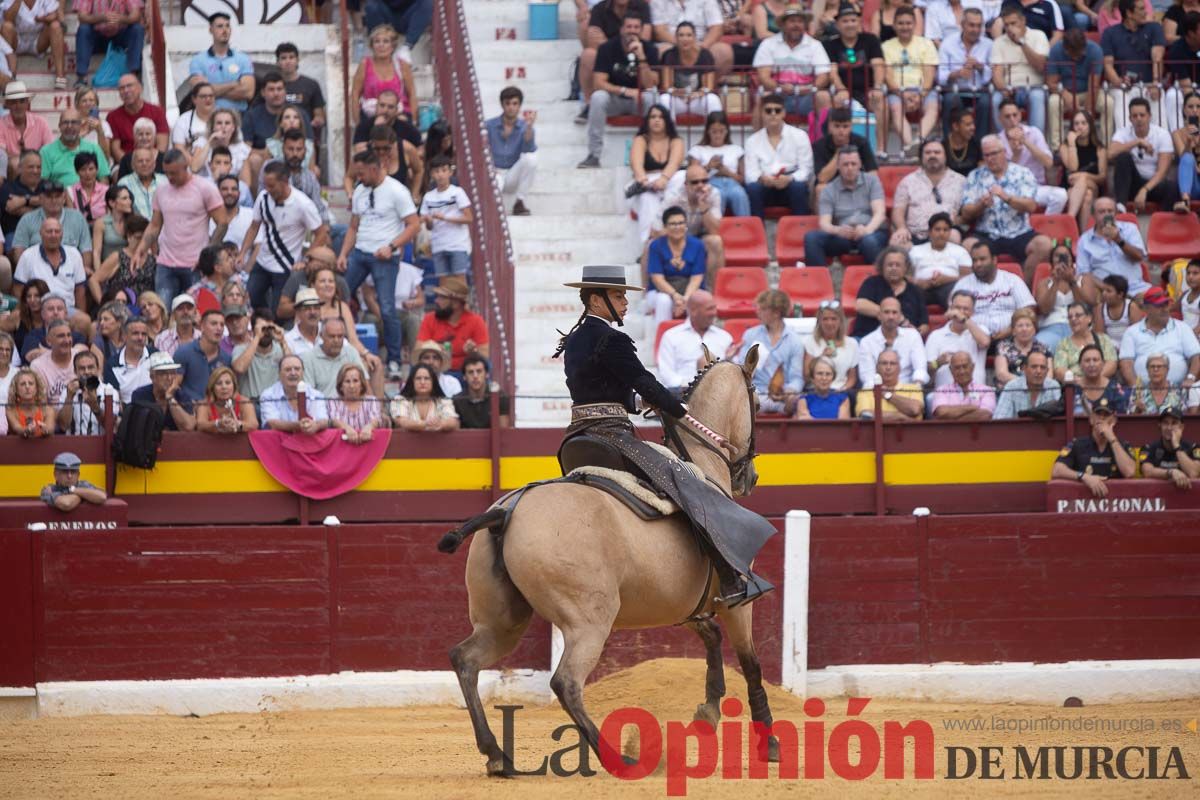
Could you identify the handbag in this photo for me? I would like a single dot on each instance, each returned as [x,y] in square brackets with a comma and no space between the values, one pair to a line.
[111,68]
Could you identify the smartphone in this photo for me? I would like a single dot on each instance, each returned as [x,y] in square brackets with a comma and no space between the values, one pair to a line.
[1192,121]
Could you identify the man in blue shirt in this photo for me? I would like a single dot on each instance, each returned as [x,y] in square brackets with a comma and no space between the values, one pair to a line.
[1158,334]
[201,356]
[1073,69]
[229,71]
[964,71]
[1133,65]
[511,140]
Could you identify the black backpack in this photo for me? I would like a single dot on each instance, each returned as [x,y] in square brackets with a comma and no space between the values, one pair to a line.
[139,435]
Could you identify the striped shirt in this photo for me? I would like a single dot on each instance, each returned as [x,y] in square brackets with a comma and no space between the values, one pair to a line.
[284,226]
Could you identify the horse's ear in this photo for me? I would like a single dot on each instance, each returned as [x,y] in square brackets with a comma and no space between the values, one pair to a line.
[708,357]
[751,362]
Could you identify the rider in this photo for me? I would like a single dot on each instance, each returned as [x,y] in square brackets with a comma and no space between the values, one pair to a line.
[603,372]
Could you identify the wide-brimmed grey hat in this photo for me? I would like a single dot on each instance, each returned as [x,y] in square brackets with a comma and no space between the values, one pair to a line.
[604,276]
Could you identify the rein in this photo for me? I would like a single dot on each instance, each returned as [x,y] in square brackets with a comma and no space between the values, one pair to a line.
[671,429]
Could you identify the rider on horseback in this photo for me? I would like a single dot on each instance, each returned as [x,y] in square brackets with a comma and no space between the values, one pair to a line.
[603,372]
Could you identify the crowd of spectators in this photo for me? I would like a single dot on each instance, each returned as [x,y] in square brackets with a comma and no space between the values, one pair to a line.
[197,268]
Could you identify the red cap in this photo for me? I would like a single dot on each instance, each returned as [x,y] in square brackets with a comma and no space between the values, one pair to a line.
[1156,296]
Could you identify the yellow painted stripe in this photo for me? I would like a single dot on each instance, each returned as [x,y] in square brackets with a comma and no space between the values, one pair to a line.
[429,475]
[814,469]
[516,471]
[210,477]
[25,482]
[991,466]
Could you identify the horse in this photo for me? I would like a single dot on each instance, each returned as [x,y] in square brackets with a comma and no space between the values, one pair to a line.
[584,562]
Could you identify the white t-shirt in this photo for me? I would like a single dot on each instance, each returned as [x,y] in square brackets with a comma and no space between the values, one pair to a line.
[409,281]
[928,262]
[845,356]
[730,154]
[945,340]
[448,237]
[236,232]
[1145,162]
[189,130]
[382,221]
[996,301]
[284,227]
[800,64]
[70,274]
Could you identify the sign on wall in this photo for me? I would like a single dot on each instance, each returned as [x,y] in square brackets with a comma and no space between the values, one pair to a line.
[244,12]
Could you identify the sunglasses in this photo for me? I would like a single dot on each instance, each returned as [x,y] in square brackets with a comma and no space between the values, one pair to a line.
[937,196]
[773,110]
[830,304]
[698,182]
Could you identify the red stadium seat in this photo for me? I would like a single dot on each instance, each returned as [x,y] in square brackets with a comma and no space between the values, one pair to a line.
[737,328]
[852,280]
[737,288]
[1014,268]
[806,286]
[1172,236]
[890,177]
[1057,226]
[663,327]
[789,238]
[745,241]
[1041,273]
[852,260]
[776,212]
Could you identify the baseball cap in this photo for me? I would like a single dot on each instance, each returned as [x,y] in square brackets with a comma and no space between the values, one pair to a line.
[161,361]
[307,297]
[1171,411]
[1156,296]
[1102,406]
[67,461]
[182,299]
[847,10]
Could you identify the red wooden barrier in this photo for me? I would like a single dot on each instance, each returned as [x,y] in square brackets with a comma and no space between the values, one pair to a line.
[16,609]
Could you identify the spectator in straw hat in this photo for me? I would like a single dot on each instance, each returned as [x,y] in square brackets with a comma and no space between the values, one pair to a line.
[433,354]
[20,128]
[451,321]
[68,489]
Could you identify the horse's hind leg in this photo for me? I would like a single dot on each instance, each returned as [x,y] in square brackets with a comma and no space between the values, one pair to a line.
[714,683]
[500,615]
[582,646]
[738,625]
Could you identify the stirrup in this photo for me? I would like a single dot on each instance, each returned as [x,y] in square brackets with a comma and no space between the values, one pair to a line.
[747,592]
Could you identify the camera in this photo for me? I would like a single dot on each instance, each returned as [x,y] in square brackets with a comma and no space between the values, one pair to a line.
[91,383]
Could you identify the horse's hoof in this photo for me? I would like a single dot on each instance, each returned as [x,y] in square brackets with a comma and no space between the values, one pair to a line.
[773,750]
[707,713]
[497,769]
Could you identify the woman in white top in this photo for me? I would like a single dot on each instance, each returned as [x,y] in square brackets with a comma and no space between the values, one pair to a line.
[92,128]
[1054,295]
[422,407]
[829,339]
[726,164]
[224,128]
[1189,301]
[31,27]
[190,131]
[1116,312]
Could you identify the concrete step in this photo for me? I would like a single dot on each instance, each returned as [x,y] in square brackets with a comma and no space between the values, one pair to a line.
[562,227]
[588,203]
[525,51]
[570,254]
[537,92]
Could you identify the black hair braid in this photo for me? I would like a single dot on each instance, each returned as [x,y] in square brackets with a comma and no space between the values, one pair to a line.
[584,296]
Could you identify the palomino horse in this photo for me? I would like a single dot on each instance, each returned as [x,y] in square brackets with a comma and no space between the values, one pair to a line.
[584,562]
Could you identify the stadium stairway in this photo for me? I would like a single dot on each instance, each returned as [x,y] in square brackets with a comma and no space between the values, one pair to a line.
[578,216]
[38,74]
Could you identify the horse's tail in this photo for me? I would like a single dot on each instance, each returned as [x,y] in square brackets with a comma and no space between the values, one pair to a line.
[494,519]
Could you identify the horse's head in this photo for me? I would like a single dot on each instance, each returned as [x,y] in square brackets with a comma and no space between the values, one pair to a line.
[723,398]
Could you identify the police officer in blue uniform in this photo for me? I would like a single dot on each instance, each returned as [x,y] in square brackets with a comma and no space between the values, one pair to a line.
[1172,457]
[1094,459]
[603,373]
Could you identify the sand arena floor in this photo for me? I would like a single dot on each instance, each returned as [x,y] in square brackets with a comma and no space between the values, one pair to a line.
[430,752]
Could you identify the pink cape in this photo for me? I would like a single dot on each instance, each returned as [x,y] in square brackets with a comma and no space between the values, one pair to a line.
[318,467]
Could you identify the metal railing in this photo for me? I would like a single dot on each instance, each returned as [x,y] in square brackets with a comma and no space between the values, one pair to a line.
[458,86]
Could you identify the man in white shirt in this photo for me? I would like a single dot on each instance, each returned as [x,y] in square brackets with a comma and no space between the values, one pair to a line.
[679,352]
[905,342]
[1141,154]
[59,265]
[997,294]
[1026,146]
[239,216]
[779,162]
[959,334]
[383,220]
[794,65]
[939,263]
[277,413]
[83,412]
[1019,65]
[706,18]
[131,368]
[303,335]
[286,216]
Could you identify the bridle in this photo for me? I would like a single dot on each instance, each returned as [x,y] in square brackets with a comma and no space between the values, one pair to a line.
[737,467]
